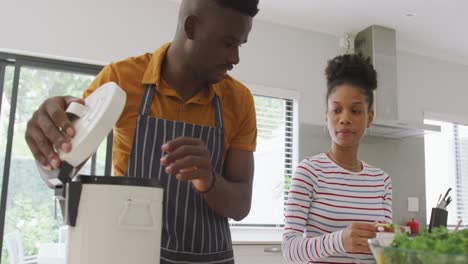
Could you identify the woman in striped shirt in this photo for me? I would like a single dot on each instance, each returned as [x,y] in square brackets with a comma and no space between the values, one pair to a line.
[335,199]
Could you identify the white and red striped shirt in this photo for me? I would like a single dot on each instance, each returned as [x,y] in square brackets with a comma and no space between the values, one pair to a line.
[323,200]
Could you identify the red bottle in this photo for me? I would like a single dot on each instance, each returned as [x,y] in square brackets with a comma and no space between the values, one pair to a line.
[414,226]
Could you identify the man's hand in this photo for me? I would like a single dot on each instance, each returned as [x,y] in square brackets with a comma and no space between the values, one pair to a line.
[189,159]
[49,130]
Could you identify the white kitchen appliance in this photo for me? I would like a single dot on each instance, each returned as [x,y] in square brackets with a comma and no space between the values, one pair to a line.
[112,220]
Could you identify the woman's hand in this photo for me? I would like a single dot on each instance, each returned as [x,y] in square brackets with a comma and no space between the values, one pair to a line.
[355,237]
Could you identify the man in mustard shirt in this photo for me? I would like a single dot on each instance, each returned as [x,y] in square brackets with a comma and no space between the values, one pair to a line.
[200,120]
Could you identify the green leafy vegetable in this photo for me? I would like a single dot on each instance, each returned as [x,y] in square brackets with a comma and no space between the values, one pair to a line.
[438,247]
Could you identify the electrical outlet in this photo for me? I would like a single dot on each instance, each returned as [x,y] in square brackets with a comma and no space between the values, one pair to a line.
[413,204]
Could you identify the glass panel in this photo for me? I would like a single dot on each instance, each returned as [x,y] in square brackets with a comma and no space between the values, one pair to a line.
[30,205]
[269,175]
[100,161]
[441,171]
[4,116]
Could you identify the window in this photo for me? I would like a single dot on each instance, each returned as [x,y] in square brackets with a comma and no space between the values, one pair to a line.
[27,205]
[275,160]
[447,166]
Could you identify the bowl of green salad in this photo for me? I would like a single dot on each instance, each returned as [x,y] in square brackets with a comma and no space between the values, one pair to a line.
[438,247]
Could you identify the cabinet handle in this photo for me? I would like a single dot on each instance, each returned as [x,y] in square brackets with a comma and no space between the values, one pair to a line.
[276,249]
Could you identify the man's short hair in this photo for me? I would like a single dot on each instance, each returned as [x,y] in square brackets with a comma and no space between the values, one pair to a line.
[246,7]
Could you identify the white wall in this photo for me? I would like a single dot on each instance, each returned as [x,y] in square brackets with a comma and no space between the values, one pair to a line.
[431,85]
[101,31]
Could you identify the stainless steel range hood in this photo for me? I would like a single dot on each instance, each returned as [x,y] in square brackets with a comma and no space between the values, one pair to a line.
[379,43]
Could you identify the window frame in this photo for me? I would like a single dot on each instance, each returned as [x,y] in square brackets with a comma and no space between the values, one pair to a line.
[269,234]
[453,120]
[18,61]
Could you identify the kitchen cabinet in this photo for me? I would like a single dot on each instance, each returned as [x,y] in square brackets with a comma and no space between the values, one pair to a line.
[255,253]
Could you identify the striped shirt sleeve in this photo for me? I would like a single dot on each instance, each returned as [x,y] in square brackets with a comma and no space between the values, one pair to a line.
[387,203]
[296,247]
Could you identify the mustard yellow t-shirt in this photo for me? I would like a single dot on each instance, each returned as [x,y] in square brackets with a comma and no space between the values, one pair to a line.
[133,73]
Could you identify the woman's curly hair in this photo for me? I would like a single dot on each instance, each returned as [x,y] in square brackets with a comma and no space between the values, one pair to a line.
[353,69]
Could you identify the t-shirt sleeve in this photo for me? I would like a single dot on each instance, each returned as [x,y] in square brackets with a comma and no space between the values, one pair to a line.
[245,137]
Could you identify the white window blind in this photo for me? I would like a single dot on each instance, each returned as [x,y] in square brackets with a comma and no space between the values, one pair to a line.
[446,155]
[274,161]
[461,180]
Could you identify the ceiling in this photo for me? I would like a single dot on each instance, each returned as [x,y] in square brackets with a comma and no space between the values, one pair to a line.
[435,28]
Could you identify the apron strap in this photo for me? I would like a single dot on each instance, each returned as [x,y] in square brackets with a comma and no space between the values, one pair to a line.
[147,100]
[218,113]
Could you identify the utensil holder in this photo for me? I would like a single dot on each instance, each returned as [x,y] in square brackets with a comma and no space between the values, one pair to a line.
[438,218]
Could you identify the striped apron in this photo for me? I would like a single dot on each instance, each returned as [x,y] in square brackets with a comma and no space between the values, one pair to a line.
[191,231]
